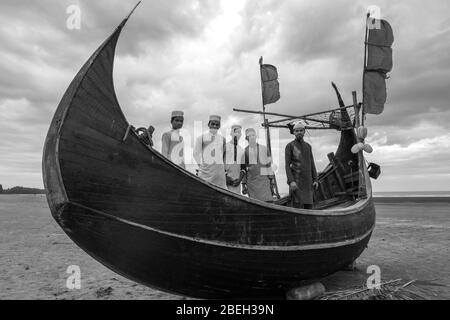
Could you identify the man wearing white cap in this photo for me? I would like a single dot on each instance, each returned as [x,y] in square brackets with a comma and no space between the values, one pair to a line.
[234,158]
[300,169]
[172,141]
[257,166]
[209,152]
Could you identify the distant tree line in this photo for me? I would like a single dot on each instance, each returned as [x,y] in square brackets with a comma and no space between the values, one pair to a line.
[21,190]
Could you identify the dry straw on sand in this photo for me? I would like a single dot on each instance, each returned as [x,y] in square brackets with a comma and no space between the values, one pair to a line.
[391,290]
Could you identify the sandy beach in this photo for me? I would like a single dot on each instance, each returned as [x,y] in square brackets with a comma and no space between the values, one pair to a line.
[411,242]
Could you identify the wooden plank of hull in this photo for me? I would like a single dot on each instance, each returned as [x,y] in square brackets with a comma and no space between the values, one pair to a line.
[150,220]
[196,268]
[164,197]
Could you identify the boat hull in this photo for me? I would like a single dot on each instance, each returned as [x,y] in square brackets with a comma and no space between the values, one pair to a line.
[197,268]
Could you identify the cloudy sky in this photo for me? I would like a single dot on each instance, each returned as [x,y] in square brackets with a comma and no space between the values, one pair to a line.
[202,57]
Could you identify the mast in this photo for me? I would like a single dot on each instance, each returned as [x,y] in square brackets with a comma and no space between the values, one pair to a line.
[267,128]
[358,121]
[269,147]
[363,113]
[361,164]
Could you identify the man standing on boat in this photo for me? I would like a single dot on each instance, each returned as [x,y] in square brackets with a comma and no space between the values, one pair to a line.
[258,171]
[172,142]
[209,153]
[300,169]
[234,158]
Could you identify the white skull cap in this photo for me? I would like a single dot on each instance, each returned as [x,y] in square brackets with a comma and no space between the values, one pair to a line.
[214,118]
[299,125]
[177,114]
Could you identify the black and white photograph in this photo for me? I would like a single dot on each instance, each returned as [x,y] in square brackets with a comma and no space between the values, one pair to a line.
[224,150]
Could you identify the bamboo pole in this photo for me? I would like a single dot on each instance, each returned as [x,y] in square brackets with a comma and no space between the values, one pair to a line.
[306,127]
[291,117]
[362,183]
[263,105]
[363,115]
[268,142]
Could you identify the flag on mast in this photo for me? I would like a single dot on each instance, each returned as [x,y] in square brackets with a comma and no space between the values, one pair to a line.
[379,62]
[269,83]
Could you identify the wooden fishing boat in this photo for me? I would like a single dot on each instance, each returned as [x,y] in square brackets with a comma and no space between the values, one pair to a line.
[153,222]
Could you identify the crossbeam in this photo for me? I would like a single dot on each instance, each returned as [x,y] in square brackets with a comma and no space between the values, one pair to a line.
[306,117]
[291,117]
[306,127]
[282,115]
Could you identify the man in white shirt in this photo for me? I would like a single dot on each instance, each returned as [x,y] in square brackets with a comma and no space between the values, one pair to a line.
[172,142]
[209,152]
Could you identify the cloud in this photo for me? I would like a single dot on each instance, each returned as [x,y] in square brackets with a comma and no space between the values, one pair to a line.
[421,165]
[202,57]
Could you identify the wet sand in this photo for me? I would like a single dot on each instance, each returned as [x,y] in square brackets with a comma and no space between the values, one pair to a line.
[411,242]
